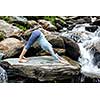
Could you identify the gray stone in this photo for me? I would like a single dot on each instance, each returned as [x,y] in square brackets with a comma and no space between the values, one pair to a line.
[47,25]
[44,68]
[8,29]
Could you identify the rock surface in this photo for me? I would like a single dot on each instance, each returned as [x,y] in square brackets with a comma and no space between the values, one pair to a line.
[47,25]
[8,29]
[72,49]
[10,47]
[44,68]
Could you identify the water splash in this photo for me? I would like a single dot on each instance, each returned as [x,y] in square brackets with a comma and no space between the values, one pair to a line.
[3,75]
[86,41]
[86,59]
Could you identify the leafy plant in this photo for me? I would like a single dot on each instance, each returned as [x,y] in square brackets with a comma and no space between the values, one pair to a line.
[50,18]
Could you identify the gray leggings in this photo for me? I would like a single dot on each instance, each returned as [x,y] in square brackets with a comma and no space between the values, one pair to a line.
[37,35]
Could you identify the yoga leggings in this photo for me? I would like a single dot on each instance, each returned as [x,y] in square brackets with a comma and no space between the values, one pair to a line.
[38,35]
[34,36]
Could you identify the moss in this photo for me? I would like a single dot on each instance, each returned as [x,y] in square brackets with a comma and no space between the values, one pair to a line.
[21,27]
[1,36]
[50,18]
[6,18]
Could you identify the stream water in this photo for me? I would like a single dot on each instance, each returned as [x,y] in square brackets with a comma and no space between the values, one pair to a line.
[3,73]
[88,41]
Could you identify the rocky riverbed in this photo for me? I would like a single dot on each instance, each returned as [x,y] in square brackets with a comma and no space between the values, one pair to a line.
[72,37]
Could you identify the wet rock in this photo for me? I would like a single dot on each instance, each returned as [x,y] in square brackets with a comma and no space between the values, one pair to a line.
[64,18]
[47,25]
[55,40]
[59,27]
[33,24]
[92,28]
[18,19]
[74,20]
[72,49]
[85,19]
[70,27]
[10,47]
[8,29]
[44,68]
[97,22]
[60,22]
[34,17]
[82,32]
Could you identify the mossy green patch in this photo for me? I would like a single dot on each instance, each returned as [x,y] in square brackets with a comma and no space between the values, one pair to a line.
[1,36]
[50,18]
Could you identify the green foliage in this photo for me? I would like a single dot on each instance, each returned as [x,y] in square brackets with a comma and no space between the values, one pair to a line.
[21,27]
[50,18]
[1,36]
[6,18]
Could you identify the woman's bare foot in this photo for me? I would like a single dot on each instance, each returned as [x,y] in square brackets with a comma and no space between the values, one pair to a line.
[62,60]
[23,60]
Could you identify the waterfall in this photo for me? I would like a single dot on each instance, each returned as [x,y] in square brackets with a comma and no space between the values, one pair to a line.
[87,40]
[87,50]
[86,59]
[3,73]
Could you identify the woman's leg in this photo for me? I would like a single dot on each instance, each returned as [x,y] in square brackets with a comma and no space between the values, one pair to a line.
[34,36]
[51,51]
[56,56]
[21,57]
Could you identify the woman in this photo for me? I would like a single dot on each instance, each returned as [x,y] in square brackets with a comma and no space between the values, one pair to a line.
[38,36]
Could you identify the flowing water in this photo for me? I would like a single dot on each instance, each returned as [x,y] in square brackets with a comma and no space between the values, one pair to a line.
[3,73]
[86,40]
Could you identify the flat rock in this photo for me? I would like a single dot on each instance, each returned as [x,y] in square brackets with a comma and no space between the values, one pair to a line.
[44,68]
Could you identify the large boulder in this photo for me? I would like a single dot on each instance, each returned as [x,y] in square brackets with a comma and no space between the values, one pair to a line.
[18,19]
[44,68]
[60,23]
[96,22]
[55,40]
[47,25]
[8,29]
[33,23]
[10,47]
[72,49]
